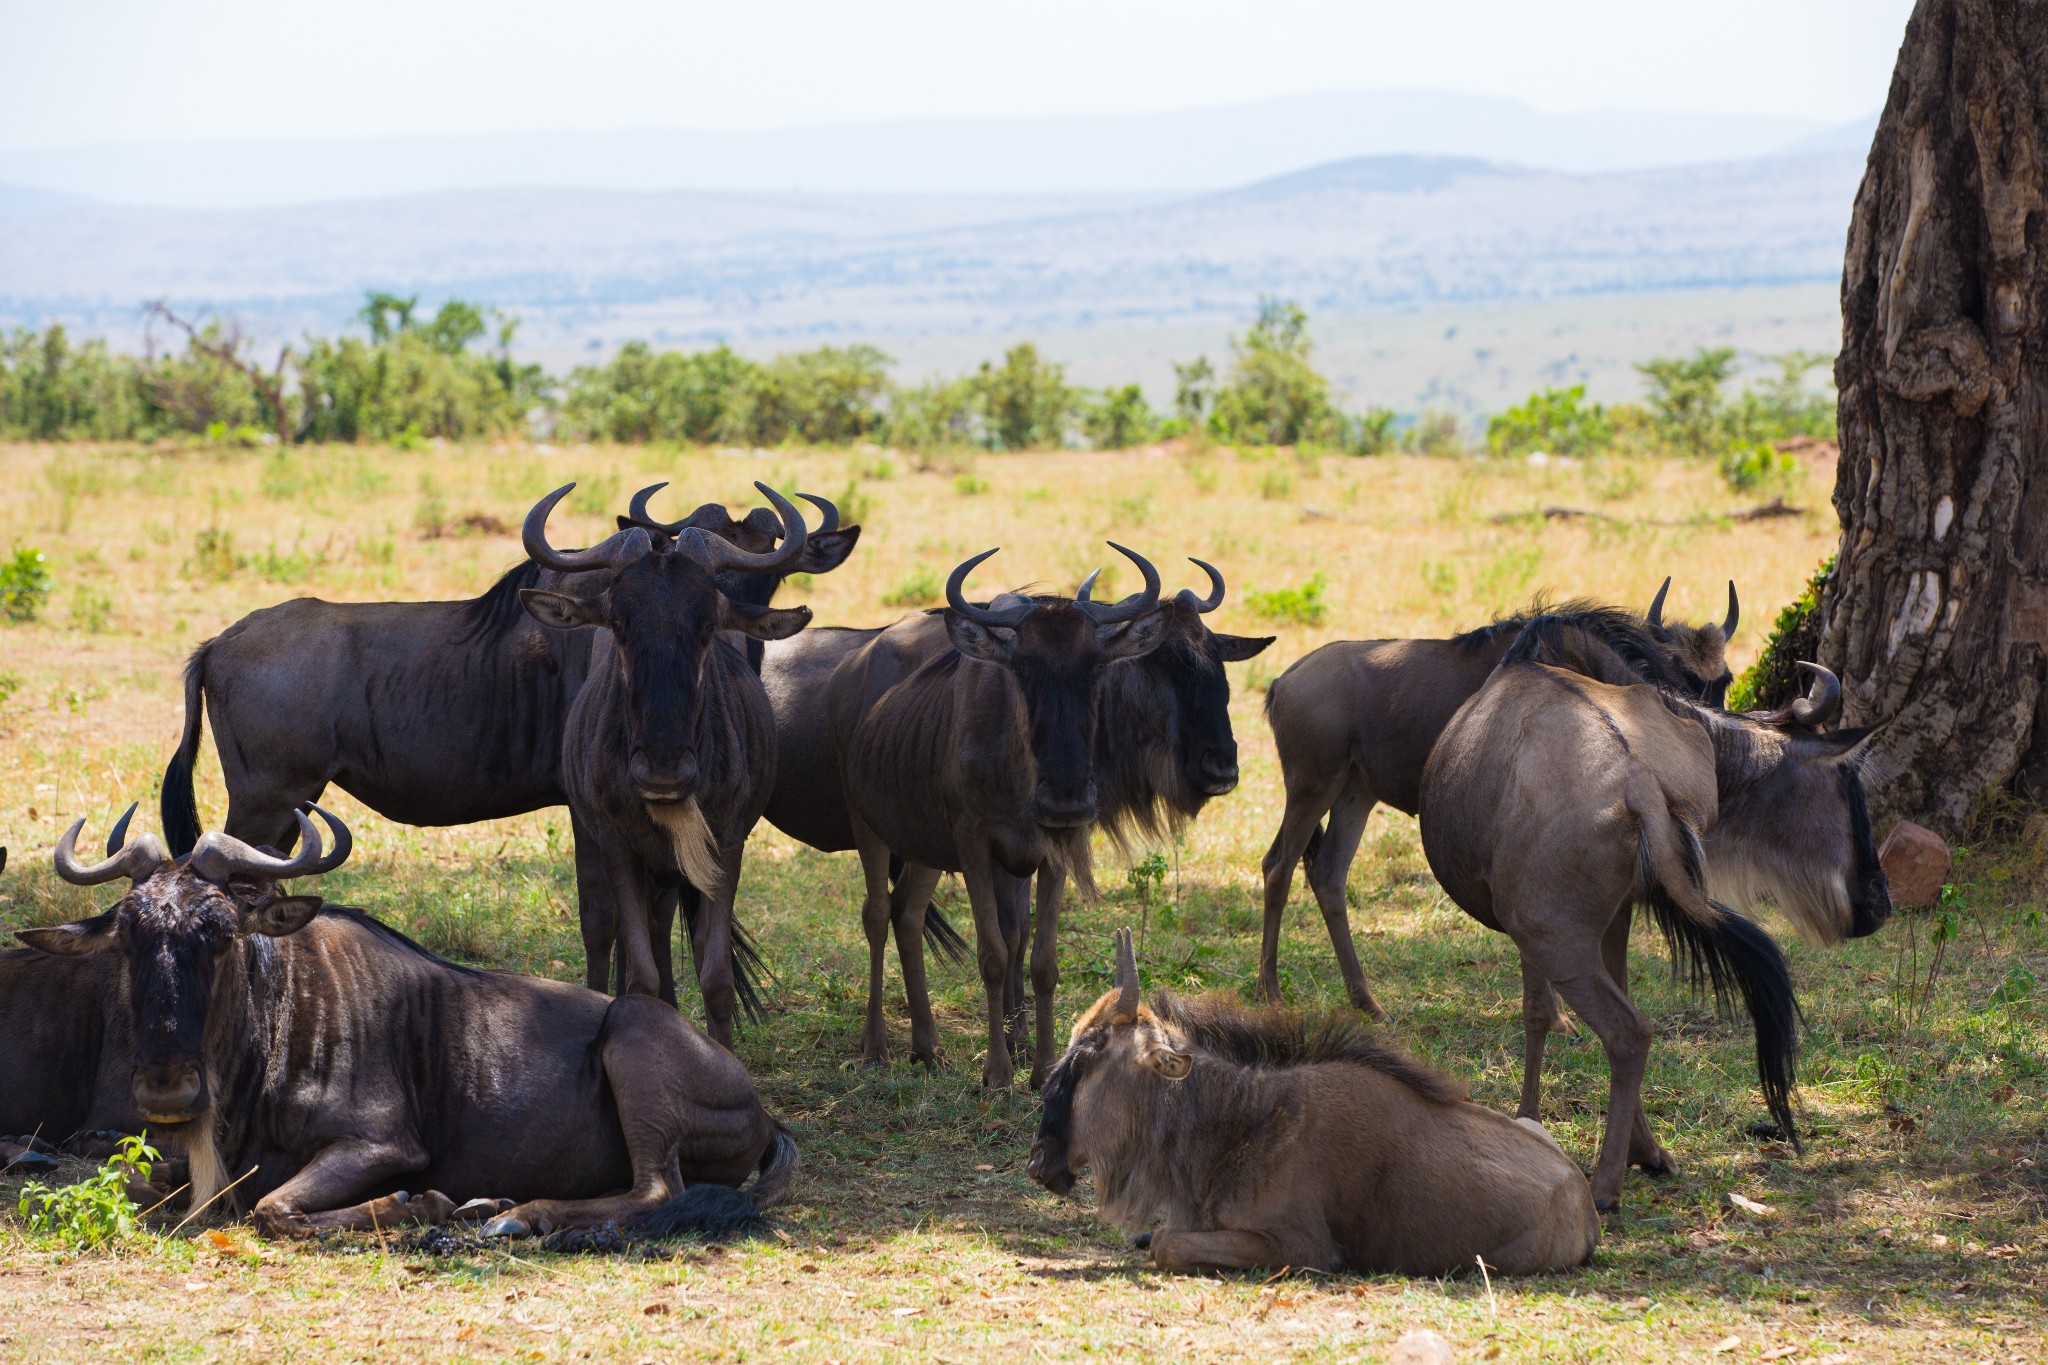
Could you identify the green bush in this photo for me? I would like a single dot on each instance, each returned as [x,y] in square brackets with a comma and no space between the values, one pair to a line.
[1685,398]
[1750,465]
[1558,421]
[1274,397]
[921,588]
[1774,678]
[1303,605]
[1369,433]
[96,1210]
[1025,402]
[1117,419]
[25,584]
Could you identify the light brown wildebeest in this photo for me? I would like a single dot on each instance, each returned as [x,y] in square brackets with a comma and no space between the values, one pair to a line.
[1221,1136]
[1561,797]
[1354,722]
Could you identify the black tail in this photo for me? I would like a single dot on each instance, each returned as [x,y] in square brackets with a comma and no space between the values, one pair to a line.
[177,809]
[748,968]
[1732,952]
[713,1211]
[1315,843]
[939,934]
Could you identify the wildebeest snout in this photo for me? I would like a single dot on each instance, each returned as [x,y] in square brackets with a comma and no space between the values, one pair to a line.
[669,780]
[1064,809]
[1217,768]
[168,1091]
[1049,1168]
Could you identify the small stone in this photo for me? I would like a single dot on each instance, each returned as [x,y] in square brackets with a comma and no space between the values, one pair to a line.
[1420,1346]
[1917,864]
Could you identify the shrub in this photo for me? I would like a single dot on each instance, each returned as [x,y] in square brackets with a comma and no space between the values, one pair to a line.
[1748,465]
[1274,397]
[97,1209]
[1775,678]
[25,584]
[1117,419]
[968,485]
[1685,397]
[1025,401]
[920,589]
[1369,433]
[1558,421]
[1303,605]
[1436,433]
[213,554]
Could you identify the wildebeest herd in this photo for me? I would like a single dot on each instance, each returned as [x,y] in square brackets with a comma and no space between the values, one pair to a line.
[1569,765]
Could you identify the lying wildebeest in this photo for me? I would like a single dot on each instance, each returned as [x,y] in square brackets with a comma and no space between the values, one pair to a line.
[1226,1137]
[332,1058]
[1566,793]
[1163,744]
[966,743]
[1354,722]
[668,753]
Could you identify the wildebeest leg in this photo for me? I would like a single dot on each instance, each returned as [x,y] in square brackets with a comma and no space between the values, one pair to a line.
[711,944]
[1016,912]
[1575,967]
[1215,1247]
[991,950]
[1045,966]
[260,810]
[1539,1012]
[1306,807]
[667,900]
[907,902]
[595,913]
[874,920]
[1643,1148]
[317,1198]
[632,899]
[1328,868]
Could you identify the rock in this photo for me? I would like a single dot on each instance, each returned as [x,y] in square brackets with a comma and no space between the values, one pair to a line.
[1420,1346]
[1917,864]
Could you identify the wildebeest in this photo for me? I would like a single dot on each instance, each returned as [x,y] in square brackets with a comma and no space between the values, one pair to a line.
[1223,1137]
[328,1058]
[1355,720]
[668,753]
[1560,798]
[966,743]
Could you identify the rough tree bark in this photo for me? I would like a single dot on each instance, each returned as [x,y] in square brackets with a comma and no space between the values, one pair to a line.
[1936,617]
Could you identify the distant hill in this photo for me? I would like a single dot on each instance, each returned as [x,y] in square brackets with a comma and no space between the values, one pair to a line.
[19,201]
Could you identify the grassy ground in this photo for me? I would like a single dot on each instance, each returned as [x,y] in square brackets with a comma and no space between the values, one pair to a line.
[1910,1229]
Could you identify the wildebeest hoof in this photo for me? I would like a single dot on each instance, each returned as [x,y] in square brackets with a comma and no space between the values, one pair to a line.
[1143,1241]
[507,1226]
[27,1162]
[432,1208]
[1607,1206]
[1659,1162]
[477,1209]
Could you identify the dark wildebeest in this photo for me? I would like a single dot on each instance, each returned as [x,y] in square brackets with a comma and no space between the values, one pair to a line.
[1225,1137]
[668,754]
[966,744]
[335,1058]
[1562,797]
[1354,721]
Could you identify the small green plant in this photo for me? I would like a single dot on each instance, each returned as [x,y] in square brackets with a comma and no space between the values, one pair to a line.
[1748,465]
[1795,635]
[1146,879]
[969,485]
[1275,483]
[1303,605]
[854,504]
[213,554]
[410,439]
[10,683]
[1556,421]
[24,584]
[96,1210]
[920,589]
[879,468]
[91,611]
[430,517]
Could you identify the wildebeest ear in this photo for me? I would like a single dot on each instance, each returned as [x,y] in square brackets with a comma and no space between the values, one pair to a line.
[827,550]
[990,644]
[1135,638]
[560,610]
[1169,1062]
[277,916]
[764,623]
[76,939]
[1238,648]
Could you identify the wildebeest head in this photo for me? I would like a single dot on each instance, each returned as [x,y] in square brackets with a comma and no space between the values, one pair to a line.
[664,609]
[825,547]
[1700,653]
[1180,694]
[1118,1040]
[175,927]
[1057,651]
[1794,826]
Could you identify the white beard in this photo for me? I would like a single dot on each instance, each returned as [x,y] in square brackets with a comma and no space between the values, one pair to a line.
[690,837]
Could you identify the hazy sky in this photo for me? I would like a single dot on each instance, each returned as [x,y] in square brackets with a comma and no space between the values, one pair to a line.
[87,71]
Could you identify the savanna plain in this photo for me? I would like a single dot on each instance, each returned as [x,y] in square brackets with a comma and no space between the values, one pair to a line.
[1911,1228]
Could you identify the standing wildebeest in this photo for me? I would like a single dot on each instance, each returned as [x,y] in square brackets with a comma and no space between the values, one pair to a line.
[335,1057]
[1560,798]
[966,744]
[1354,721]
[1224,1137]
[668,753]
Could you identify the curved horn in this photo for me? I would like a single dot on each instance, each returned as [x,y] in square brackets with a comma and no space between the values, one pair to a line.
[1126,977]
[1134,606]
[217,857]
[134,861]
[1087,588]
[712,553]
[118,835]
[344,842]
[1203,605]
[1734,613]
[1007,617]
[617,551]
[1656,614]
[636,510]
[1817,708]
[825,510]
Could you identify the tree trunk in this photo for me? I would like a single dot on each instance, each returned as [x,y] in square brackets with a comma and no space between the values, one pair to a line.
[1936,617]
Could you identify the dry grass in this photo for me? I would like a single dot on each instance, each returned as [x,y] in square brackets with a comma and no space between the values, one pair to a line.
[1911,1228]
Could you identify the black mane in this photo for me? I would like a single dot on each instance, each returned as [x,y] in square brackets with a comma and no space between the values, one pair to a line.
[364,919]
[493,616]
[1275,1038]
[1591,640]
[1511,625]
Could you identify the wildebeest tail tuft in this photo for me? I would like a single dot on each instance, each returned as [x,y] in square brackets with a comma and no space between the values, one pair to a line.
[749,969]
[713,1211]
[944,939]
[177,808]
[1315,843]
[1714,946]
[779,1167]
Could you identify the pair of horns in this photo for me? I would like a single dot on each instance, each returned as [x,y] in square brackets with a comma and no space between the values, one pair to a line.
[1101,613]
[709,552]
[1126,976]
[1201,606]
[1656,616]
[1818,707]
[637,513]
[216,857]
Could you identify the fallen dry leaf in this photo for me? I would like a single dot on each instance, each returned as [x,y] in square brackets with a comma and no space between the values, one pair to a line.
[465,1334]
[220,1241]
[984,1166]
[1779,1353]
[1748,1205]
[1726,1344]
[655,1310]
[1938,1240]
[905,1312]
